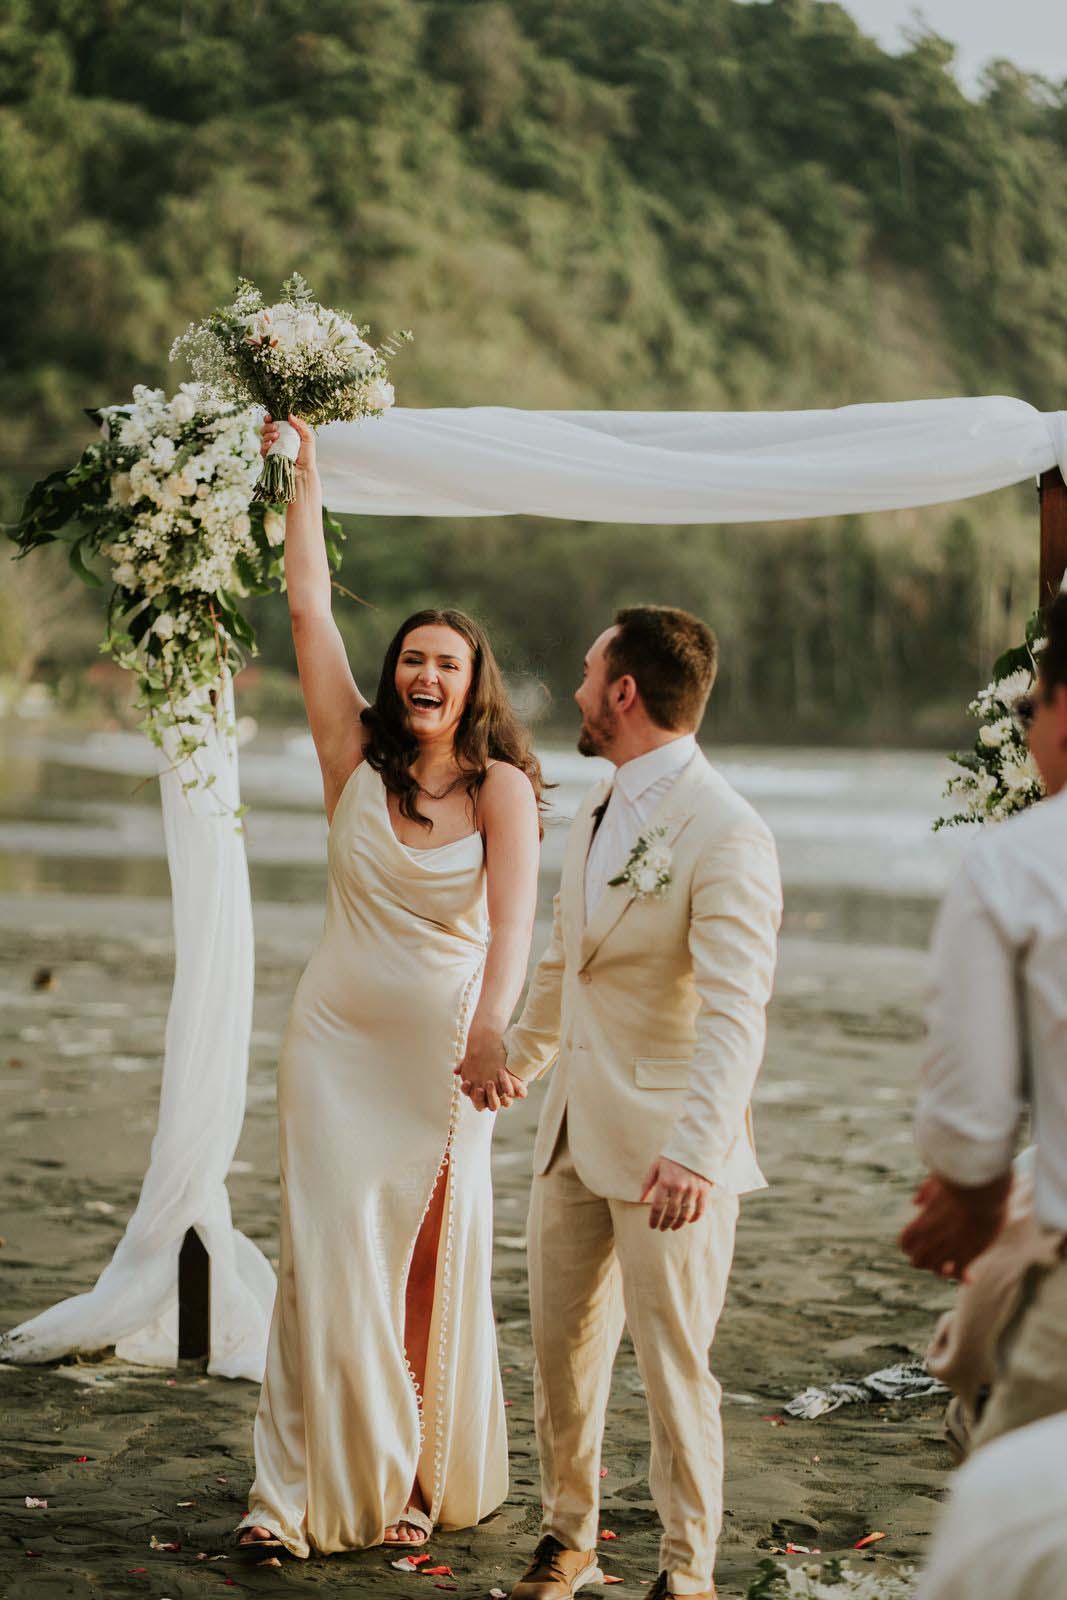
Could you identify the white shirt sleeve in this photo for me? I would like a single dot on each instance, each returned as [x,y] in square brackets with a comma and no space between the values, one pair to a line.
[971,1089]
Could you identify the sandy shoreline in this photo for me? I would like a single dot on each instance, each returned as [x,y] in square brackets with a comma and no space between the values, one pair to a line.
[818,1292]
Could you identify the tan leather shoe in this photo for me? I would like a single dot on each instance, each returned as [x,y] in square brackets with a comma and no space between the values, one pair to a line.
[660,1590]
[556,1573]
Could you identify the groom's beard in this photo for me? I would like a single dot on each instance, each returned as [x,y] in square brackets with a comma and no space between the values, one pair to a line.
[596,733]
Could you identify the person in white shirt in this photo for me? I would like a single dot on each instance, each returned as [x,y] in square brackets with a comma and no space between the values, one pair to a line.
[1003,1533]
[997,1046]
[649,1006]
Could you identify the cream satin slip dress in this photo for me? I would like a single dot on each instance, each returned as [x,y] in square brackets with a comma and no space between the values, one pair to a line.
[368,1109]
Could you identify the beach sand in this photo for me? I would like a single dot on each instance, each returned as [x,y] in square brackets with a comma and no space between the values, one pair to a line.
[819,1290]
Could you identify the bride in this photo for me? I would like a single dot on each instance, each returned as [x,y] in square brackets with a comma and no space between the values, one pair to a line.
[381,1413]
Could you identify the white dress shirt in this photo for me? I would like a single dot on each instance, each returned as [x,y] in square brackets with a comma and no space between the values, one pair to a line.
[997,1012]
[639,787]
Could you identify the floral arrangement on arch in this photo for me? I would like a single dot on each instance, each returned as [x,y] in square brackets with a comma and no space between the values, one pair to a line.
[999,777]
[162,502]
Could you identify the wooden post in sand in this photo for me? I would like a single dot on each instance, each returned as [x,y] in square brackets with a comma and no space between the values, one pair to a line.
[194,1299]
[1053,493]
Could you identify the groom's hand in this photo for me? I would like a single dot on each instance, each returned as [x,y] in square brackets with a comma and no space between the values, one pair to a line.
[483,1072]
[678,1196]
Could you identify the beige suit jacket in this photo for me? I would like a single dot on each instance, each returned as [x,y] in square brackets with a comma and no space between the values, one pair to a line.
[654,1015]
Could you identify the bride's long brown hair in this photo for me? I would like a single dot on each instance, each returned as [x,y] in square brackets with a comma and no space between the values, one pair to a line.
[488,729]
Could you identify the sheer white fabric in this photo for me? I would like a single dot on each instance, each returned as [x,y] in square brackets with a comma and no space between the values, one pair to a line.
[684,466]
[133,1304]
[655,467]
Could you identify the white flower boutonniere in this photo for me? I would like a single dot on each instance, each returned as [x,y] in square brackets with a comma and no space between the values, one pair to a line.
[648,871]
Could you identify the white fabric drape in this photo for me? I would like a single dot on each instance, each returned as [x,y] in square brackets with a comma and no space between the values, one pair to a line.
[684,466]
[134,1303]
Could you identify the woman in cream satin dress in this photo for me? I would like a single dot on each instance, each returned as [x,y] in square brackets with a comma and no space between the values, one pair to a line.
[381,1413]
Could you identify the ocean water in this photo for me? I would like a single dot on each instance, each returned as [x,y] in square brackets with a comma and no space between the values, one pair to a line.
[860,860]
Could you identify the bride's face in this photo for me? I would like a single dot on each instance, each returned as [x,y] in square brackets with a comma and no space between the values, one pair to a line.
[433,678]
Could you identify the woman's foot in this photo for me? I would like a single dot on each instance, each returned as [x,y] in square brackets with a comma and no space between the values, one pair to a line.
[258,1537]
[411,1530]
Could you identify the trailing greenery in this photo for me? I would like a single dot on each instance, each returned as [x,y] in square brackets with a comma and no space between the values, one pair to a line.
[627,203]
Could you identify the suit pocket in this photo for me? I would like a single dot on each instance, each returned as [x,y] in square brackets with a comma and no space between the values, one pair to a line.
[661,1072]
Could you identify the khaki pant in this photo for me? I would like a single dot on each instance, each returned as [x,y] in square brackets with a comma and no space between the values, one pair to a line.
[1032,1382]
[594,1266]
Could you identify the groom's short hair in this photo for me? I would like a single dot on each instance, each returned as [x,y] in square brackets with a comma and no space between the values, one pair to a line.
[1052,662]
[672,657]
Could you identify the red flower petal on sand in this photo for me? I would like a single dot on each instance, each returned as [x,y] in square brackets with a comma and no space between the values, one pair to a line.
[869,1538]
[418,1561]
[438,1572]
[136,1570]
[81,1458]
[606,1533]
[35,1552]
[609,1577]
[603,1472]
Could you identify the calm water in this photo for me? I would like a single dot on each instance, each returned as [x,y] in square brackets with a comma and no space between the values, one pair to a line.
[859,859]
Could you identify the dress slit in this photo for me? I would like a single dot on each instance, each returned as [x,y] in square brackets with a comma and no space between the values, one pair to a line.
[436,1349]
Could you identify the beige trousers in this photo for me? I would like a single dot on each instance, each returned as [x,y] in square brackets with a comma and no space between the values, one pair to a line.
[595,1265]
[1032,1381]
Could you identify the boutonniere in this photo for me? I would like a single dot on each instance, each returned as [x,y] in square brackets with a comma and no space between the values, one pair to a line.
[648,871]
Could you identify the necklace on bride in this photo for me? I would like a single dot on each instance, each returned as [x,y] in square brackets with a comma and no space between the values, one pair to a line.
[433,794]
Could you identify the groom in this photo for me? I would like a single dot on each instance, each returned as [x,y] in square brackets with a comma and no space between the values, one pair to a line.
[650,1002]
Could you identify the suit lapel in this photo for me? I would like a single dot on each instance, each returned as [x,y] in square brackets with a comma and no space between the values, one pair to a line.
[673,812]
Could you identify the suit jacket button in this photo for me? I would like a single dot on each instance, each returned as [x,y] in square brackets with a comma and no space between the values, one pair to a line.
[585,977]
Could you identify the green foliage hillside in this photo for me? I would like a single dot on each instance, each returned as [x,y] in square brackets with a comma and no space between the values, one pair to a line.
[620,203]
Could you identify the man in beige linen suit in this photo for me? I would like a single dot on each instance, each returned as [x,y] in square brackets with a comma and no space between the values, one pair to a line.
[650,1003]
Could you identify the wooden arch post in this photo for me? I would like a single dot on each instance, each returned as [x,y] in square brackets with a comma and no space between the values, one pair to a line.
[1053,494]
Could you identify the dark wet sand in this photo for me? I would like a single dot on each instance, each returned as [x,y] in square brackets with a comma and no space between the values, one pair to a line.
[818,1290]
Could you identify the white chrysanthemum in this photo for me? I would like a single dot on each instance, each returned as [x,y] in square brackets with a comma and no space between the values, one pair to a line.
[164,625]
[659,859]
[1019,773]
[1008,690]
[645,878]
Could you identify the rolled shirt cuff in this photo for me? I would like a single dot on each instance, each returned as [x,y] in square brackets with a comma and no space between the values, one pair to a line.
[960,1157]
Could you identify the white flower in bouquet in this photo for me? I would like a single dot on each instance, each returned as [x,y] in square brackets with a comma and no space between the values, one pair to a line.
[1008,691]
[274,527]
[296,357]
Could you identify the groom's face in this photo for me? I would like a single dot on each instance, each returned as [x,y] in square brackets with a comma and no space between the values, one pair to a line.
[599,719]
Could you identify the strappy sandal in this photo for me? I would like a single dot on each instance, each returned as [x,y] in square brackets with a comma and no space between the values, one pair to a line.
[412,1518]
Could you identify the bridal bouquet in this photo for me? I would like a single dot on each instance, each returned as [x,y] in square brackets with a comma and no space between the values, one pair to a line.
[162,500]
[999,776]
[294,357]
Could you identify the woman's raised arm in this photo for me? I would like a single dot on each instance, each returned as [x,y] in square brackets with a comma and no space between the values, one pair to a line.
[332,699]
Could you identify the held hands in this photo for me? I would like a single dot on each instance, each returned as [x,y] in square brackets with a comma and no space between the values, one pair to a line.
[678,1195]
[953,1224]
[305,461]
[483,1074]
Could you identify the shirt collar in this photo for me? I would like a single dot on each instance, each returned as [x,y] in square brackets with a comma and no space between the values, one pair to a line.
[635,776]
